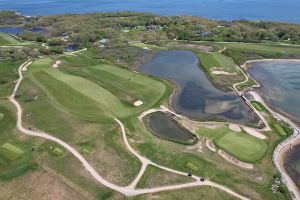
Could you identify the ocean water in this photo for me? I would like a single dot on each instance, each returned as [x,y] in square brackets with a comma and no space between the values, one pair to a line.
[272,10]
[280,86]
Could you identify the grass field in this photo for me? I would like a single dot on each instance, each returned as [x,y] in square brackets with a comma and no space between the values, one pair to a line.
[10,151]
[8,74]
[76,114]
[155,177]
[102,94]
[269,48]
[6,39]
[211,60]
[148,46]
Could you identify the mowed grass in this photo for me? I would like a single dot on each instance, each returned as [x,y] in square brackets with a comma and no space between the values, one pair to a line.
[242,146]
[269,48]
[6,39]
[148,46]
[280,130]
[89,99]
[257,106]
[10,151]
[217,60]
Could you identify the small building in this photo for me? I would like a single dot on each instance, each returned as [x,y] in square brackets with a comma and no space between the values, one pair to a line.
[153,27]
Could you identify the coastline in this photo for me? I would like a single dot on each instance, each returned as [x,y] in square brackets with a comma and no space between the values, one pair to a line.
[281,149]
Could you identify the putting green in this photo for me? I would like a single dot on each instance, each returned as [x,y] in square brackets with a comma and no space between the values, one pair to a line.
[1,115]
[242,146]
[10,151]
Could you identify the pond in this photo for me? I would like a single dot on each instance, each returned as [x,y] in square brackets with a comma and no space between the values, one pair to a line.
[72,47]
[19,30]
[195,96]
[162,125]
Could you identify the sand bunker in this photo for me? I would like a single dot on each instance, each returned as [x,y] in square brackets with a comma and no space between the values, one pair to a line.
[235,128]
[138,103]
[220,72]
[198,147]
[255,133]
[210,145]
[233,160]
[56,64]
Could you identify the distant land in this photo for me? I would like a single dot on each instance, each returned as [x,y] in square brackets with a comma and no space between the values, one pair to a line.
[270,10]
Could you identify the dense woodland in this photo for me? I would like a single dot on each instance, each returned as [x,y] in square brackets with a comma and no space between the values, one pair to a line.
[127,26]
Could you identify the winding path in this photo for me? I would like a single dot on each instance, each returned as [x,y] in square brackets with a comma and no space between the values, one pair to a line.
[127,190]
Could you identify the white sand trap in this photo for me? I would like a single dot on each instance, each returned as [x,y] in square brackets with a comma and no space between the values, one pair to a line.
[56,64]
[138,103]
[146,48]
[233,160]
[210,145]
[220,72]
[255,133]
[235,128]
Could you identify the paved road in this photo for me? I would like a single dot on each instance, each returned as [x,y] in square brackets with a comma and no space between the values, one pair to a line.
[128,190]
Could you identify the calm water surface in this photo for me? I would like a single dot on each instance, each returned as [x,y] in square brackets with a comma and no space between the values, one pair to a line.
[164,126]
[196,97]
[273,10]
[18,30]
[280,87]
